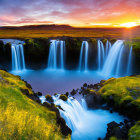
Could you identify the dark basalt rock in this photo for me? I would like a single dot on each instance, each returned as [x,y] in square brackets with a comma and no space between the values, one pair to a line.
[73,92]
[46,104]
[94,100]
[55,94]
[67,94]
[25,91]
[60,107]
[63,97]
[91,86]
[120,131]
[39,93]
[31,96]
[85,85]
[49,98]
[65,130]
[96,86]
[27,84]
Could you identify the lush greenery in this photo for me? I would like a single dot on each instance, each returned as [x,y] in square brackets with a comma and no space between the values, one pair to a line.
[135,43]
[21,117]
[134,132]
[123,90]
[124,94]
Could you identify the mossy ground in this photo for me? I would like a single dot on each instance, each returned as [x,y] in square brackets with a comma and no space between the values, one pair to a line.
[21,117]
[122,89]
[125,90]
[134,132]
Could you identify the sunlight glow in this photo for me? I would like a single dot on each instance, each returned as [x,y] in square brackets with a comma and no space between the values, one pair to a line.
[129,24]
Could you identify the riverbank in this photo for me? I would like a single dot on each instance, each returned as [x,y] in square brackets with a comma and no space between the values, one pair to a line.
[23,117]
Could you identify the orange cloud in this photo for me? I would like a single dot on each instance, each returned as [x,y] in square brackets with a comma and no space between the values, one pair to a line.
[91,13]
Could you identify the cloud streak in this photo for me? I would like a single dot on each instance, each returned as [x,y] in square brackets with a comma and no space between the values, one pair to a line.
[74,12]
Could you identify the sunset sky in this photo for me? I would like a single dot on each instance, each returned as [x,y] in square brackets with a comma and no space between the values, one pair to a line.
[79,13]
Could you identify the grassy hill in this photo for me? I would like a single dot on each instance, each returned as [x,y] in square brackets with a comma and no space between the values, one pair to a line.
[21,117]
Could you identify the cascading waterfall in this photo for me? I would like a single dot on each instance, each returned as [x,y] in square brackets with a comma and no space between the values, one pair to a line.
[18,61]
[85,124]
[101,54]
[83,61]
[112,58]
[56,55]
[62,47]
[118,68]
[52,60]
[129,65]
[108,46]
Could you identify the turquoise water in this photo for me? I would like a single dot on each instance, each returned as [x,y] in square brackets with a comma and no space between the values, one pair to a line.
[58,81]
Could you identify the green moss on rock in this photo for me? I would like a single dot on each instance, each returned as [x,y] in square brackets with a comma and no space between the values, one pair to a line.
[123,92]
[49,98]
[63,97]
[134,132]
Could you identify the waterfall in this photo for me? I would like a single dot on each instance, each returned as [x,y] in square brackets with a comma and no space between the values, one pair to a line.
[83,61]
[118,68]
[129,65]
[101,54]
[18,61]
[62,47]
[112,58]
[52,55]
[108,46]
[56,55]
[85,124]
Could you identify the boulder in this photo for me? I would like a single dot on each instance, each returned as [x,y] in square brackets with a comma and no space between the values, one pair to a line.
[63,97]
[39,93]
[94,100]
[49,98]
[67,94]
[73,92]
[85,85]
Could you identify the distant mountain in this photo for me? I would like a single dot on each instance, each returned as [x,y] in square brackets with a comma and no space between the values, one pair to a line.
[49,27]
[55,27]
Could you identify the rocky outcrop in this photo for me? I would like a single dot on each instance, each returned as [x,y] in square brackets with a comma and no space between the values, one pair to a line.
[94,100]
[64,128]
[31,96]
[119,131]
[63,97]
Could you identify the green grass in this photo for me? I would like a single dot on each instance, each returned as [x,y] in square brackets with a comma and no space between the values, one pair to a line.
[122,89]
[21,117]
[134,132]
[125,90]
